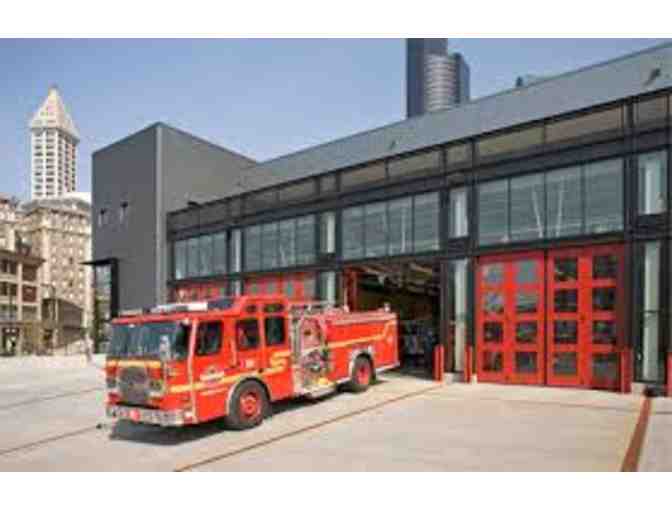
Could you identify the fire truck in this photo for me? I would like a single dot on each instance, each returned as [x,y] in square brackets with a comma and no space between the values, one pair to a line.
[231,358]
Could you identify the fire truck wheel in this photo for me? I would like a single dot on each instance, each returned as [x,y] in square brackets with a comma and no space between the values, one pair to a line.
[249,406]
[362,374]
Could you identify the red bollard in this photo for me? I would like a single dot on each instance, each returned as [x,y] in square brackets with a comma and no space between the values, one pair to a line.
[467,363]
[439,353]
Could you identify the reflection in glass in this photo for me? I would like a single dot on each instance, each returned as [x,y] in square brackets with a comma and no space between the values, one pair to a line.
[493,303]
[526,362]
[564,203]
[566,300]
[604,196]
[564,363]
[605,366]
[652,171]
[526,302]
[526,332]
[652,362]
[493,274]
[604,299]
[492,361]
[527,208]
[459,312]
[493,332]
[493,212]
[566,270]
[459,219]
[565,332]
[605,266]
[526,271]
[604,332]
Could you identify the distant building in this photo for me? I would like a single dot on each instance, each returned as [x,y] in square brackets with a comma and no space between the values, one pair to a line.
[54,140]
[9,216]
[59,231]
[20,302]
[435,78]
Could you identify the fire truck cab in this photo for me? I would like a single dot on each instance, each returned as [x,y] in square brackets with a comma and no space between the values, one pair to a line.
[231,358]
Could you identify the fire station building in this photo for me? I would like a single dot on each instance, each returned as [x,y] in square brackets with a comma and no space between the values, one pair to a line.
[528,232]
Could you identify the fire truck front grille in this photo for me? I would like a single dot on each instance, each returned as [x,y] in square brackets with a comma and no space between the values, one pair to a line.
[134,385]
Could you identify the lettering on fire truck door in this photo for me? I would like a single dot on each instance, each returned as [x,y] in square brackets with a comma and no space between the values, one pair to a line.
[248,345]
[209,368]
[277,350]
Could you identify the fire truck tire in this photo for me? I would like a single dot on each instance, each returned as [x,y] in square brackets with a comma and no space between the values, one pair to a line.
[362,375]
[249,406]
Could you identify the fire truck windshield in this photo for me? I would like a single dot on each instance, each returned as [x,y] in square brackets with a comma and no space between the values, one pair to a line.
[144,340]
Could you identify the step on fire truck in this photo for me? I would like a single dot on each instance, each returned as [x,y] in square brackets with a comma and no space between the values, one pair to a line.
[231,358]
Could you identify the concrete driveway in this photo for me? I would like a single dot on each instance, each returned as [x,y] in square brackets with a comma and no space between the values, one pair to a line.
[401,424]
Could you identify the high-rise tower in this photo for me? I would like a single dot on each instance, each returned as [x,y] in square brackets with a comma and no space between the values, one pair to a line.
[54,140]
[435,78]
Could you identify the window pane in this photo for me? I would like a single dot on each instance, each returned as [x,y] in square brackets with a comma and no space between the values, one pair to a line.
[193,257]
[652,171]
[604,196]
[269,246]
[180,259]
[584,125]
[527,208]
[363,176]
[298,191]
[209,339]
[353,233]
[253,248]
[275,331]
[305,240]
[247,335]
[564,203]
[287,243]
[328,287]
[400,226]
[459,311]
[328,183]
[651,367]
[235,251]
[493,213]
[510,142]
[375,221]
[651,110]
[426,222]
[458,154]
[415,165]
[327,232]
[205,248]
[459,223]
[219,255]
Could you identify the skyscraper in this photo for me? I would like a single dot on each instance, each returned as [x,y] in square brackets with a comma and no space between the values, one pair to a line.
[435,78]
[54,140]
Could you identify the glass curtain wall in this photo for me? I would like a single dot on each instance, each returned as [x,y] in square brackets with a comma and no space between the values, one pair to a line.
[407,225]
[560,203]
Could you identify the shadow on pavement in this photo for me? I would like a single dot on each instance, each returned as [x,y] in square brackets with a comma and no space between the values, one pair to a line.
[171,436]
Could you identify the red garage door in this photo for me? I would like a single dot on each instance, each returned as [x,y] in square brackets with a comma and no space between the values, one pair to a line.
[551,318]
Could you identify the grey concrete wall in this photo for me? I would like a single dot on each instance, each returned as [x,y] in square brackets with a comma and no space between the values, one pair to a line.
[189,167]
[126,171]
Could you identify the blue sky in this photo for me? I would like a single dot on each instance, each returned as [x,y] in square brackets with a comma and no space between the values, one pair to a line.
[260,97]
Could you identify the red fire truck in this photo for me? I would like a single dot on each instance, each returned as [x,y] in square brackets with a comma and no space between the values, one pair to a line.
[230,358]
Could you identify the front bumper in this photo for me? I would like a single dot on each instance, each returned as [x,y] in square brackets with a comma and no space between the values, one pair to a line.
[151,416]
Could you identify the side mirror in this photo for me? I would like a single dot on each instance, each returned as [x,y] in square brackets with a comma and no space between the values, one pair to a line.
[164,349]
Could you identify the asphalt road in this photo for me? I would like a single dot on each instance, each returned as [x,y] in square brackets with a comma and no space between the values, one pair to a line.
[52,419]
